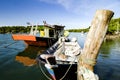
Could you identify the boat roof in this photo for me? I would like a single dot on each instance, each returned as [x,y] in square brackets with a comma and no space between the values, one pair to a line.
[54,26]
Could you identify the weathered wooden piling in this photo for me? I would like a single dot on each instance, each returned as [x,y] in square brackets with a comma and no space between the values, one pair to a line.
[94,39]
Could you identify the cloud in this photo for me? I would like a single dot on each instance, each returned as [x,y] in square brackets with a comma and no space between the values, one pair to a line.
[85,7]
[85,10]
[66,3]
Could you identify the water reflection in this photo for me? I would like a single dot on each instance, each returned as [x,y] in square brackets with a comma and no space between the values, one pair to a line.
[109,46]
[27,57]
[106,48]
[108,63]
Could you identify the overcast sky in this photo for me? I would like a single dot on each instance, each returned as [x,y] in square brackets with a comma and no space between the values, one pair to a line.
[71,13]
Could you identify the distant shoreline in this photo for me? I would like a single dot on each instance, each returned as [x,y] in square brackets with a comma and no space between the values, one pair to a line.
[108,36]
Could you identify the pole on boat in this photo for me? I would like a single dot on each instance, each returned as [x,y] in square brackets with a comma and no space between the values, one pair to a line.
[31,30]
[94,39]
[35,32]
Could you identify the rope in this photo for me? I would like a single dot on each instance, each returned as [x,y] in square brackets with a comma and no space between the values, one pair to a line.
[87,74]
[44,72]
[88,61]
[68,69]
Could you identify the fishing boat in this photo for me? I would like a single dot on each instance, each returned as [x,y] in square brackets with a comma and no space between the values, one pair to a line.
[61,59]
[44,37]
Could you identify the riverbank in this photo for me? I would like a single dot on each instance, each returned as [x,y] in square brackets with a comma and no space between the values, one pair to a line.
[112,36]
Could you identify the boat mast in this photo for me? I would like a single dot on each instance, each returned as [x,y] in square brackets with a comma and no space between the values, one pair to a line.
[35,32]
[31,31]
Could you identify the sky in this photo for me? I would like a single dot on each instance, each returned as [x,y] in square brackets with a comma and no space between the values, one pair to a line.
[70,13]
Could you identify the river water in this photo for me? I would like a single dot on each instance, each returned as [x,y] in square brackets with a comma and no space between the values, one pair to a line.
[17,61]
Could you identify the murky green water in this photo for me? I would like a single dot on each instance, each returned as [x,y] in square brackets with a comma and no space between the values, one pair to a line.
[16,61]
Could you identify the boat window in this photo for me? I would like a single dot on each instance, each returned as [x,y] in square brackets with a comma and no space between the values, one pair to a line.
[51,33]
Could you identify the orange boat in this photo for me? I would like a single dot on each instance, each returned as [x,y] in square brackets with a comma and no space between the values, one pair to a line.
[34,40]
[46,37]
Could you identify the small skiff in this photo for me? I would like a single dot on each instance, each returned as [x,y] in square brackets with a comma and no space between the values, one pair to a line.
[61,58]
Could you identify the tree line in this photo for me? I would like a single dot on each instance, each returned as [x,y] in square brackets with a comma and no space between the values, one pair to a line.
[79,30]
[17,29]
[113,27]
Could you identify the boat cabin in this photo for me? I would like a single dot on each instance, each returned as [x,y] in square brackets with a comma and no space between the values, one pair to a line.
[54,31]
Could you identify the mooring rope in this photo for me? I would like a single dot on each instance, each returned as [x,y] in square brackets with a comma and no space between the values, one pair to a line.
[88,61]
[44,72]
[88,74]
[68,69]
[85,72]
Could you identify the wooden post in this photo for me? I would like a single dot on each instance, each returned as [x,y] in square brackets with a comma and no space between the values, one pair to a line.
[94,40]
